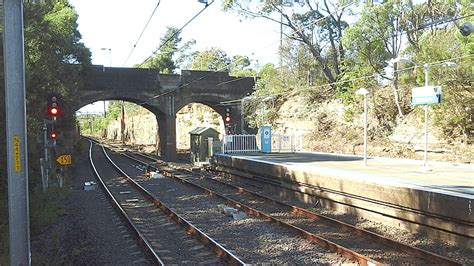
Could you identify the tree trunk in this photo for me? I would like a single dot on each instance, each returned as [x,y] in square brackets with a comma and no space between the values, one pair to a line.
[395,90]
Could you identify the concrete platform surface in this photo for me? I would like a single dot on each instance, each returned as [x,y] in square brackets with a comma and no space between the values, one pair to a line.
[446,178]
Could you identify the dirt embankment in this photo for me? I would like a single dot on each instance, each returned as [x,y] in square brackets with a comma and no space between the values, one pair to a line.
[325,128]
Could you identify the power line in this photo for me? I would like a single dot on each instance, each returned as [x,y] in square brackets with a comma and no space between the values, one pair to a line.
[144,28]
[397,34]
[300,29]
[436,63]
[177,32]
[224,67]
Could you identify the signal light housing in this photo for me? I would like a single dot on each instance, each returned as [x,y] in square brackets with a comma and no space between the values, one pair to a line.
[227,118]
[53,106]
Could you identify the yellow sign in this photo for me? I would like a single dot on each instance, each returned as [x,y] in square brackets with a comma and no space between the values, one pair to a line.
[64,159]
[16,154]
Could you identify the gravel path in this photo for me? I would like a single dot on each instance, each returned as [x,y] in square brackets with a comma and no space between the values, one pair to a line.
[89,232]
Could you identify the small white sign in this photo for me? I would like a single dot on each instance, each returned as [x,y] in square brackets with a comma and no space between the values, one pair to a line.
[426,95]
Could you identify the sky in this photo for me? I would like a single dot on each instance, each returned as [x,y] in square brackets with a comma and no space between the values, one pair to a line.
[116,24]
[110,28]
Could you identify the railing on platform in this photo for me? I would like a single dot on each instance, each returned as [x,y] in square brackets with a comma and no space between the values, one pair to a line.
[240,144]
[287,143]
[251,143]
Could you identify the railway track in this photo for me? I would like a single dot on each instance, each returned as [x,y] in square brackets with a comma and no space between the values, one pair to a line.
[356,244]
[151,221]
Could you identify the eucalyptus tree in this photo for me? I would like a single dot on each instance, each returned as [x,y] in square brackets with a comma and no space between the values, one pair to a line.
[318,25]
[55,59]
[213,59]
[382,31]
[169,54]
[373,40]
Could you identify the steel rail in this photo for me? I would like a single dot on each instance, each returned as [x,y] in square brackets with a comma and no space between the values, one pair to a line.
[313,238]
[222,252]
[331,246]
[143,242]
[345,226]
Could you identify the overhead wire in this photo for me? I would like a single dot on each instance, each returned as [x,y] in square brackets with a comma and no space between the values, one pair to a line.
[176,33]
[417,29]
[141,34]
[436,63]
[224,67]
[300,29]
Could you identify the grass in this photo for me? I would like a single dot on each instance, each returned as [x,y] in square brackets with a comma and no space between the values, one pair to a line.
[45,208]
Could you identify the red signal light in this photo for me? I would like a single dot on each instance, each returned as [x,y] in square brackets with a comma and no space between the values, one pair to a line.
[227,119]
[53,111]
[53,135]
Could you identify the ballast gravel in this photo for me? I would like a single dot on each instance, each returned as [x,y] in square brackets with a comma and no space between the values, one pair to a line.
[461,255]
[253,240]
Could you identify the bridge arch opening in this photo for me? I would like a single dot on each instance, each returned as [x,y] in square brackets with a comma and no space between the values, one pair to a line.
[195,115]
[123,121]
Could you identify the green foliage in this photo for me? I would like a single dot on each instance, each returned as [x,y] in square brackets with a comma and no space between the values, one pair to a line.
[54,59]
[96,124]
[455,114]
[214,59]
[170,54]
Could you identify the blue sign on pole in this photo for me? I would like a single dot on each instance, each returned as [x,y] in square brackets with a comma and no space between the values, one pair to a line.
[266,138]
[426,95]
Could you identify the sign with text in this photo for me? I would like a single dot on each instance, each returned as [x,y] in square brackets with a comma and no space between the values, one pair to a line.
[266,138]
[64,159]
[16,154]
[426,95]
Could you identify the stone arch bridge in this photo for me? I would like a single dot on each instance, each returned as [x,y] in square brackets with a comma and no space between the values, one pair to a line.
[165,94]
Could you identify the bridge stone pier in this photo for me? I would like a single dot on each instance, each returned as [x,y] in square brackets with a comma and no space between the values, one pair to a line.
[165,94]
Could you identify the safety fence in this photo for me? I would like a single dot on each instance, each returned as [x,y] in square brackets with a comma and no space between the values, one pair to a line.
[240,144]
[251,143]
[287,143]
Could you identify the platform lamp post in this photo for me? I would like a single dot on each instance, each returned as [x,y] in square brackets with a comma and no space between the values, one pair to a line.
[110,65]
[364,92]
[426,68]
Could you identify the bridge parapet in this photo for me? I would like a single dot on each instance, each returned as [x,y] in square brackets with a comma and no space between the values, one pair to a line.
[99,78]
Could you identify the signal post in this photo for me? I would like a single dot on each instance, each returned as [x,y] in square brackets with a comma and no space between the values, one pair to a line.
[49,137]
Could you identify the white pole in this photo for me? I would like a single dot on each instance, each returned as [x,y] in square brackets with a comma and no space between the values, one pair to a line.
[242,116]
[425,159]
[365,130]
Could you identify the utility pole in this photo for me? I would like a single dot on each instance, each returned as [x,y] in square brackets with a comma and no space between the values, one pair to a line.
[15,105]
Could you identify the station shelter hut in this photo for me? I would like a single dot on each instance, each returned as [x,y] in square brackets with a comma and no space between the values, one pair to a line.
[200,145]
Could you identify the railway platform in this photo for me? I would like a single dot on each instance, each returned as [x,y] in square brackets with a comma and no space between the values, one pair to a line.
[439,202]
